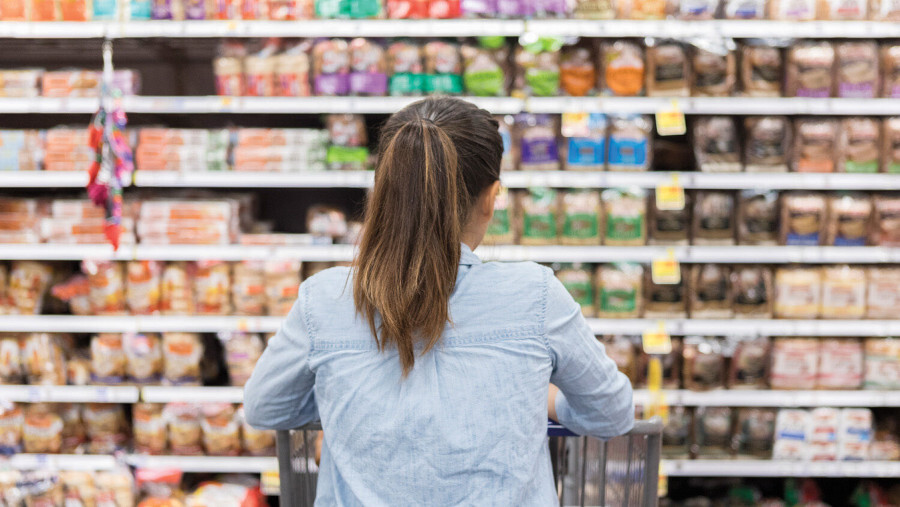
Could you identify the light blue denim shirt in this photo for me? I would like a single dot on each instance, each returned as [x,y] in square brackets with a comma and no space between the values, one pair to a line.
[468,426]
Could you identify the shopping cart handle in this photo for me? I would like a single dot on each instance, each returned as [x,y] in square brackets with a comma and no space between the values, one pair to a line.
[554,429]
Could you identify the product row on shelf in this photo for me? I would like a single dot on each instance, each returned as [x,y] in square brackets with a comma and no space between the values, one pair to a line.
[791,492]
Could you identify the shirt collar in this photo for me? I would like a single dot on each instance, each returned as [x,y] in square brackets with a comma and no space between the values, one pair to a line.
[467,257]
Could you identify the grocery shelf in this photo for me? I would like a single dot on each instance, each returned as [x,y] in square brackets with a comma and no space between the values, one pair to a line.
[717,105]
[586,254]
[770,468]
[75,462]
[205,394]
[43,179]
[767,398]
[211,464]
[240,179]
[723,28]
[749,327]
[69,394]
[136,324]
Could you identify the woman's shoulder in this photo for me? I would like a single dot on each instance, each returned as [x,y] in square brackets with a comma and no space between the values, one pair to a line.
[523,272]
[328,282]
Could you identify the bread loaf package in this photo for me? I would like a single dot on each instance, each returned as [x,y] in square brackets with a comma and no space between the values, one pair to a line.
[108,360]
[331,67]
[671,367]
[798,293]
[803,218]
[676,434]
[11,420]
[182,353]
[538,216]
[623,351]
[840,364]
[176,289]
[106,427]
[405,68]
[860,145]
[697,9]
[641,9]
[793,10]
[745,9]
[713,71]
[537,71]
[443,68]
[810,70]
[669,227]
[484,73]
[712,433]
[582,217]
[762,68]
[41,429]
[142,288]
[248,288]
[150,435]
[510,159]
[625,214]
[749,363]
[242,351]
[579,281]
[792,427]
[815,145]
[500,230]
[212,288]
[767,144]
[665,301]
[577,75]
[144,357]
[537,139]
[184,432]
[757,222]
[795,363]
[886,229]
[668,73]
[716,145]
[43,360]
[890,148]
[221,431]
[713,221]
[620,290]
[843,292]
[857,69]
[882,363]
[885,10]
[883,293]
[849,219]
[843,10]
[255,442]
[282,284]
[710,292]
[755,432]
[890,67]
[587,152]
[704,364]
[594,9]
[292,71]
[623,68]
[11,360]
[368,68]
[630,143]
[28,284]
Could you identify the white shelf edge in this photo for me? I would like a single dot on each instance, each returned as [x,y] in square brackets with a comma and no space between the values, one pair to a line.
[74,462]
[770,468]
[206,394]
[723,28]
[138,323]
[69,394]
[774,399]
[212,464]
[718,105]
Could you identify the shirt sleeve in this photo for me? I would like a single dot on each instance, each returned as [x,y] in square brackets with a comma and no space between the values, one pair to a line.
[595,398]
[280,394]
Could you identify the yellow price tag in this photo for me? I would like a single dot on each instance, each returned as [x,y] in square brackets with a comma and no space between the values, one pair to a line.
[270,482]
[663,483]
[575,125]
[667,270]
[670,121]
[670,195]
[656,341]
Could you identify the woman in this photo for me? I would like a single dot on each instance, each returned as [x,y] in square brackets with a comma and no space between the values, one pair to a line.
[430,371]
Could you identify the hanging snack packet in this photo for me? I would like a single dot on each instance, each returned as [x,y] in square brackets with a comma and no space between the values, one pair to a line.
[405,67]
[810,70]
[716,145]
[623,68]
[767,144]
[815,145]
[443,68]
[538,212]
[629,143]
[803,219]
[619,288]
[667,70]
[798,293]
[625,213]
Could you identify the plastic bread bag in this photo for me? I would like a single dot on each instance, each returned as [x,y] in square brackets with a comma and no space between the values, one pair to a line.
[665,301]
[713,68]
[697,9]
[107,287]
[767,144]
[882,363]
[292,71]
[668,69]
[537,67]
[630,143]
[582,217]
[538,216]
[443,68]
[749,365]
[843,292]
[620,290]
[176,289]
[803,218]
[641,9]
[212,288]
[259,70]
[500,229]
[886,229]
[890,150]
[143,352]
[242,350]
[248,288]
[671,367]
[78,368]
[108,359]
[184,431]
[883,293]
[712,432]
[795,363]
[855,434]
[762,69]
[885,10]
[221,430]
[624,210]
[623,351]
[755,432]
[849,219]
[142,288]
[11,422]
[798,293]
[106,427]
[28,283]
[11,361]
[890,68]
[843,10]
[816,145]
[510,159]
[840,364]
[758,217]
[182,353]
[43,359]
[711,295]
[586,151]
[704,364]
[486,70]
[810,70]
[745,9]
[857,69]
[860,145]
[793,10]
[669,227]
[716,145]
[713,221]
[537,139]
[282,285]
[577,74]
[594,9]
[676,434]
[578,280]
[331,67]
[822,437]
[75,291]
[41,429]
[405,68]
[253,441]
[622,64]
[326,221]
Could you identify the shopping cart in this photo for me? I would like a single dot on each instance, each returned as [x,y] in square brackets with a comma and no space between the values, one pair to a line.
[621,472]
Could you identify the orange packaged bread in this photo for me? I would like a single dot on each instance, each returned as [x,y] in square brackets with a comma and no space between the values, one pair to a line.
[182,353]
[623,64]
[176,289]
[143,287]
[108,359]
[221,431]
[577,74]
[150,434]
[212,288]
[184,431]
[42,429]
[106,282]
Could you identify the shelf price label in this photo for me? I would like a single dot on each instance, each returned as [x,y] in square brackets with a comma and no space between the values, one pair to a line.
[670,194]
[270,482]
[656,341]
[666,270]
[576,124]
[670,120]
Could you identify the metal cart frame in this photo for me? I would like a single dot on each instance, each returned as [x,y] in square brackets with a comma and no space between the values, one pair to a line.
[588,471]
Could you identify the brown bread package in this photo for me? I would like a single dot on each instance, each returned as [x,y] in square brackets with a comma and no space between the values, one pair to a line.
[623,68]
[714,73]
[890,68]
[757,217]
[816,144]
[767,144]
[669,227]
[755,432]
[676,435]
[753,292]
[749,366]
[883,294]
[798,293]
[803,218]
[857,70]
[886,229]
[843,292]
[668,73]
[860,145]
[713,433]
[577,74]
[849,219]
[623,350]
[716,145]
[890,148]
[809,70]
[704,364]
[665,301]
[710,292]
[762,68]
[795,363]
[713,221]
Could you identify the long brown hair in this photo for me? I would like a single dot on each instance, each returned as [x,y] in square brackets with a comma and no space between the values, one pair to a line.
[435,157]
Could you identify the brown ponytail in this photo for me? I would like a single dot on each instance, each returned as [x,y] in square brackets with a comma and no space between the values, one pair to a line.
[435,157]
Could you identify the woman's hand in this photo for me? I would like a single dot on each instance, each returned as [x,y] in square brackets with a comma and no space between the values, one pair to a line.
[319,439]
[551,402]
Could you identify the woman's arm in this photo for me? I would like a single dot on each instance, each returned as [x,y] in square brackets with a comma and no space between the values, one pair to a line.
[593,398]
[279,394]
